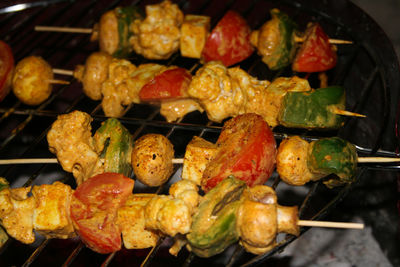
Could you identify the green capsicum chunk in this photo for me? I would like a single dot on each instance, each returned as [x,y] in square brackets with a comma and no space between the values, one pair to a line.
[314,109]
[333,156]
[278,39]
[214,223]
[114,143]
[125,16]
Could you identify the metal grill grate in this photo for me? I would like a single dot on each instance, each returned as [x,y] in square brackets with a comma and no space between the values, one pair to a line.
[368,70]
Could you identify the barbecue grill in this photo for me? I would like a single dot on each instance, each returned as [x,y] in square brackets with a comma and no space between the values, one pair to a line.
[368,69]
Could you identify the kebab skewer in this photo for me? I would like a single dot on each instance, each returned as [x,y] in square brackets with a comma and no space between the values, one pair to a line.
[222,92]
[245,148]
[165,30]
[58,211]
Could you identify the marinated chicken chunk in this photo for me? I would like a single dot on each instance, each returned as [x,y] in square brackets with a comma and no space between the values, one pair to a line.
[16,213]
[93,74]
[51,214]
[168,215]
[228,92]
[115,89]
[188,191]
[255,93]
[71,141]
[173,110]
[158,35]
[212,87]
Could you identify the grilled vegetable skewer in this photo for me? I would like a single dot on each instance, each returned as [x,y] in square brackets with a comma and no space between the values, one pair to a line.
[58,211]
[245,148]
[165,30]
[222,92]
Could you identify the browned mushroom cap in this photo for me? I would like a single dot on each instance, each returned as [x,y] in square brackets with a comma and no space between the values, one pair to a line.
[32,80]
[152,159]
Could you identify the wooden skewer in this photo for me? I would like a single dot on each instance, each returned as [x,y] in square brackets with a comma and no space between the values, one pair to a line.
[58,82]
[377,160]
[330,224]
[345,112]
[62,29]
[299,39]
[63,72]
[179,160]
[27,161]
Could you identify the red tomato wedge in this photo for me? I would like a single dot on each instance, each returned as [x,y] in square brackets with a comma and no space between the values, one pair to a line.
[229,41]
[93,210]
[170,84]
[316,54]
[6,69]
[247,150]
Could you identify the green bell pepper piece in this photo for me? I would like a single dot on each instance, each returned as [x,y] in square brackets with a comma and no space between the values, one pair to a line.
[214,223]
[125,16]
[114,143]
[333,156]
[313,110]
[281,54]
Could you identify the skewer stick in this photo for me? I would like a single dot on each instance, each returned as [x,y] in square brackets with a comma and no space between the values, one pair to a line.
[346,113]
[299,39]
[331,224]
[27,161]
[63,72]
[179,160]
[58,82]
[377,160]
[62,29]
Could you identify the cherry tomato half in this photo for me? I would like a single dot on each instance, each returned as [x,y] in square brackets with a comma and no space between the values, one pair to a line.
[316,54]
[170,84]
[247,150]
[93,210]
[6,69]
[229,41]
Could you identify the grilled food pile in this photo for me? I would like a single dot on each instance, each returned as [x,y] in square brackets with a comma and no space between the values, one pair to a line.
[221,197]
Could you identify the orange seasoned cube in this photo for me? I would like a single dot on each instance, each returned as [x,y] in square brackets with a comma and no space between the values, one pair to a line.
[194,33]
[198,153]
[131,221]
[51,216]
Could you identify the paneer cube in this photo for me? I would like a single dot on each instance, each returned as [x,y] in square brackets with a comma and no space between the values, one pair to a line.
[194,33]
[51,216]
[131,221]
[198,153]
